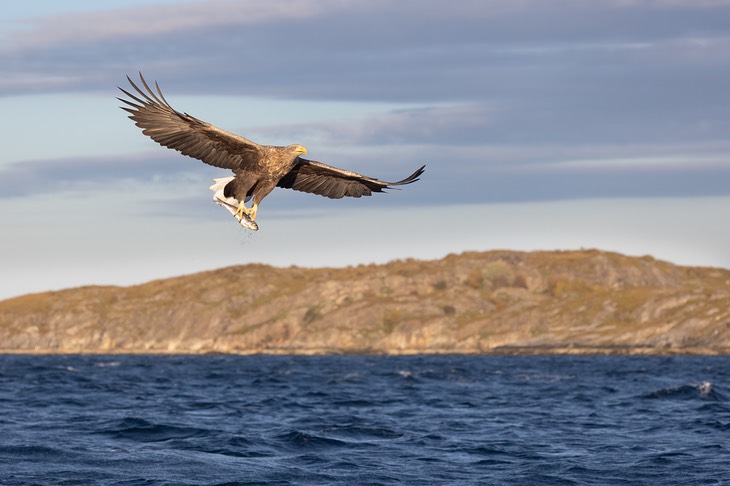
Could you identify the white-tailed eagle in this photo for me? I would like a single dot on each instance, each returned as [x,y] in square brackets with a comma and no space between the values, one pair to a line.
[257,169]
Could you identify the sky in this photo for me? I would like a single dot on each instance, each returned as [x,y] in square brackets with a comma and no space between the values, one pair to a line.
[543,124]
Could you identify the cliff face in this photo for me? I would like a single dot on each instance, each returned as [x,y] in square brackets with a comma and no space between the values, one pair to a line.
[500,301]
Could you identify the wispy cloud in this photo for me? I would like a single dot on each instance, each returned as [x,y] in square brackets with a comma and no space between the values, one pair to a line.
[471,174]
[104,174]
[452,124]
[146,22]
[506,87]
[369,49]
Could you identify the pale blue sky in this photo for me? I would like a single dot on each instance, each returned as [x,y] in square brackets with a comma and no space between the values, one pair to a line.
[544,125]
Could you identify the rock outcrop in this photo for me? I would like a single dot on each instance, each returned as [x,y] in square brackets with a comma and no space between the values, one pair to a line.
[492,302]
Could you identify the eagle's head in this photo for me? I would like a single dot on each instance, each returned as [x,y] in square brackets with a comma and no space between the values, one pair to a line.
[297,149]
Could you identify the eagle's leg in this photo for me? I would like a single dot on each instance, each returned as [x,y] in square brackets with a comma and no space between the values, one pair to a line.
[242,209]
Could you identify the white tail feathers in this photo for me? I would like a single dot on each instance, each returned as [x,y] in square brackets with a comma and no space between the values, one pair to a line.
[220,183]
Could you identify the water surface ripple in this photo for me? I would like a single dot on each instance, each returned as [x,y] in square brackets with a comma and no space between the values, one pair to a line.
[154,420]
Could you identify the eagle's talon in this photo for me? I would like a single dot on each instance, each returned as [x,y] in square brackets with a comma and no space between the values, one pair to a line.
[240,211]
[249,212]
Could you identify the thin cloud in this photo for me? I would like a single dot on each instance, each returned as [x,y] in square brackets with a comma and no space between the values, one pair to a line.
[55,176]
[506,86]
[452,124]
[540,19]
[651,163]
[372,49]
[155,20]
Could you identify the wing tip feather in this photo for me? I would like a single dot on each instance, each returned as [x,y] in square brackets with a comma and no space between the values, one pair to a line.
[411,178]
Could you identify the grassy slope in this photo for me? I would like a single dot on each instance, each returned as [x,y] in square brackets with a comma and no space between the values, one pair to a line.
[499,301]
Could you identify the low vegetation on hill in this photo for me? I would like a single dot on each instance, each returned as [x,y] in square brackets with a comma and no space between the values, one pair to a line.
[489,302]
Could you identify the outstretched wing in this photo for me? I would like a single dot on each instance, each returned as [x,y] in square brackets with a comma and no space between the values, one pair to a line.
[325,180]
[186,134]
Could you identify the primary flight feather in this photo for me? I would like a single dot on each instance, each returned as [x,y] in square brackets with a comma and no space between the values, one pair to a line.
[257,169]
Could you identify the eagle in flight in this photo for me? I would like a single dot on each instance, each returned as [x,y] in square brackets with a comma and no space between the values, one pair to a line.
[257,169]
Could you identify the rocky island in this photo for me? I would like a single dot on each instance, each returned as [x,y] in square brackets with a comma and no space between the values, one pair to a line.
[584,301]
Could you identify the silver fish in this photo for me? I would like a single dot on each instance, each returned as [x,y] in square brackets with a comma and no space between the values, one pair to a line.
[231,203]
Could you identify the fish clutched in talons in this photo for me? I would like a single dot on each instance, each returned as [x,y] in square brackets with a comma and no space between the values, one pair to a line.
[243,211]
[243,215]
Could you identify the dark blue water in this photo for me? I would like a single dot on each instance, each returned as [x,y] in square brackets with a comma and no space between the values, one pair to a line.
[131,420]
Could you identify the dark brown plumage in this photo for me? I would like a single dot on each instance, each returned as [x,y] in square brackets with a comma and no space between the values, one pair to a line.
[258,168]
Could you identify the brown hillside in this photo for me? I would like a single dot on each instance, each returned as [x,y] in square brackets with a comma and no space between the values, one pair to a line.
[499,301]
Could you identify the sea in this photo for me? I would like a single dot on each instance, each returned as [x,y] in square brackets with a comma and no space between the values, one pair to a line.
[317,420]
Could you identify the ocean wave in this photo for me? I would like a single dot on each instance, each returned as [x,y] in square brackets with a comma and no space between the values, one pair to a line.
[704,390]
[299,440]
[141,430]
[363,420]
